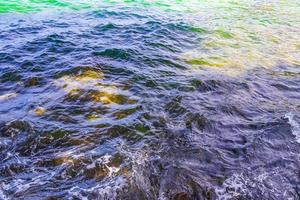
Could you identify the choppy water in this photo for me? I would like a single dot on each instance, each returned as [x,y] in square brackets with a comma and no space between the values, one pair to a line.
[149,99]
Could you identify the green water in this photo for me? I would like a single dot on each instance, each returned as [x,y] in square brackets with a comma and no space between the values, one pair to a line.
[149,99]
[237,35]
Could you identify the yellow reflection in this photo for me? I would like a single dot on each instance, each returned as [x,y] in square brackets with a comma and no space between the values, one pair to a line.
[89,75]
[63,160]
[90,87]
[92,117]
[246,36]
[83,80]
[39,111]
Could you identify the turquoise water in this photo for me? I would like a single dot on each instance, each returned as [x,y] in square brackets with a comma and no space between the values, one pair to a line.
[235,33]
[149,99]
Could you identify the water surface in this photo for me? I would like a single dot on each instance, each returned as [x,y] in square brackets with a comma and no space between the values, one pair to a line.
[149,99]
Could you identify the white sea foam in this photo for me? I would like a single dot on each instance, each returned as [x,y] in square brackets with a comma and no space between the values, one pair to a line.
[107,190]
[259,182]
[232,187]
[295,126]
[2,195]
[7,96]
[104,160]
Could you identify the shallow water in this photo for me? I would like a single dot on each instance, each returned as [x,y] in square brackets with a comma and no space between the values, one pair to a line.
[149,99]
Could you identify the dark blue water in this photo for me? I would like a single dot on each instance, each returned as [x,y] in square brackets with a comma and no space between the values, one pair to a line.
[101,104]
